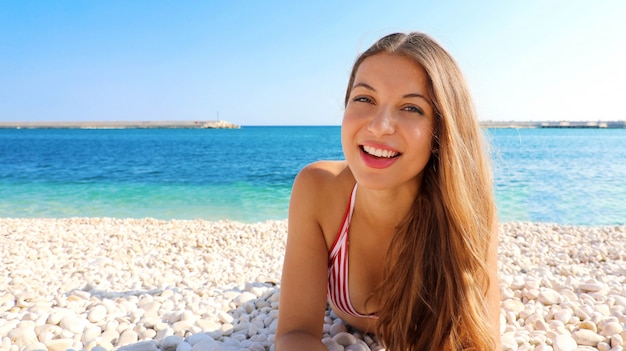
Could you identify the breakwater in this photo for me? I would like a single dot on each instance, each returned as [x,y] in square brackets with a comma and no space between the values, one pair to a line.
[219,124]
[554,124]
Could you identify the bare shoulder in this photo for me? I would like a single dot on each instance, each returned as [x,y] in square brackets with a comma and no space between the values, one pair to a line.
[321,177]
[324,170]
[305,268]
[323,189]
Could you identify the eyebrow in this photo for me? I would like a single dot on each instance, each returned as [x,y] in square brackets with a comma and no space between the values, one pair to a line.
[410,95]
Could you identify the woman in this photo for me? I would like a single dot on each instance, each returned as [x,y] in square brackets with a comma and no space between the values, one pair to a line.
[413,200]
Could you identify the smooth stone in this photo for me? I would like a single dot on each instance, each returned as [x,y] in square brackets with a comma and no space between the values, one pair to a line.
[149,345]
[216,334]
[337,328]
[512,305]
[532,294]
[344,339]
[549,296]
[581,313]
[198,338]
[564,315]
[591,287]
[182,325]
[164,333]
[147,334]
[508,342]
[59,344]
[540,324]
[127,337]
[97,313]
[57,314]
[225,317]
[208,325]
[586,337]
[206,345]
[227,329]
[589,325]
[109,336]
[73,323]
[256,347]
[32,347]
[47,332]
[564,343]
[603,309]
[617,340]
[253,330]
[243,298]
[170,343]
[241,326]
[23,335]
[332,345]
[183,346]
[356,347]
[619,300]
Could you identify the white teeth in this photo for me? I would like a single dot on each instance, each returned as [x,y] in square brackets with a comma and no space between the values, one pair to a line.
[379,152]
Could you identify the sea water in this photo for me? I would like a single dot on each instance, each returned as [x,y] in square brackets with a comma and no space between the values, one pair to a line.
[565,176]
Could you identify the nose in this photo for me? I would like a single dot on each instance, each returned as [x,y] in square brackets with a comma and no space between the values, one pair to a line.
[381,123]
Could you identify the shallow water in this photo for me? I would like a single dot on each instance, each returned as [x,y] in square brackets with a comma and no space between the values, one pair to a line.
[567,176]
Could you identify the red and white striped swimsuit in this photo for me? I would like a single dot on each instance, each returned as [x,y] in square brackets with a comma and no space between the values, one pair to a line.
[338,292]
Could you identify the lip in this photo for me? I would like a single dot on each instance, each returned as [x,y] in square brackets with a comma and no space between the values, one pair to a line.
[377,162]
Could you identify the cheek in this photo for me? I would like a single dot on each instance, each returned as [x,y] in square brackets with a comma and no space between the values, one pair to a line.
[348,124]
[348,131]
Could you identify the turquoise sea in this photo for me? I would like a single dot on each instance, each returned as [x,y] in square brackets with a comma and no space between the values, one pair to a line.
[565,176]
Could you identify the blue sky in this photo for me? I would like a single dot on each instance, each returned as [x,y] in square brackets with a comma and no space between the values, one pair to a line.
[287,62]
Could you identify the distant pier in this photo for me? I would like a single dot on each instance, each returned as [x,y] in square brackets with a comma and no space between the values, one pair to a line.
[554,124]
[219,124]
[121,125]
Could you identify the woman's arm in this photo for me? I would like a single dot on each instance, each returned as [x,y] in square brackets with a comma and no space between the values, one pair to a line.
[493,295]
[305,269]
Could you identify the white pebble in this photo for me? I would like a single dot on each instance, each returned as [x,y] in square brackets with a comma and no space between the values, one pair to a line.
[243,298]
[612,328]
[170,343]
[586,337]
[183,346]
[150,345]
[127,337]
[59,344]
[344,339]
[225,317]
[549,297]
[73,323]
[564,343]
[97,313]
[23,335]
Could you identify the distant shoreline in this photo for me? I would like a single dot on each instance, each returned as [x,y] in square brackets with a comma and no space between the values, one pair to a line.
[228,125]
[554,124]
[121,125]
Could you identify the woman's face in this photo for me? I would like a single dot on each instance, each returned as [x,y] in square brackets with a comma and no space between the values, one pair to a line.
[388,123]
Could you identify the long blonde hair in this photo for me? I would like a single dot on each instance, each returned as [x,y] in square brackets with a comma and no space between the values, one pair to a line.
[436,276]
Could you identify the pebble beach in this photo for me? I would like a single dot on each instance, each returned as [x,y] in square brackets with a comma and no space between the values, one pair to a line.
[145,284]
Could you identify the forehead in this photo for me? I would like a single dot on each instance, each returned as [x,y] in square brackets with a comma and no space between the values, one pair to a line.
[393,68]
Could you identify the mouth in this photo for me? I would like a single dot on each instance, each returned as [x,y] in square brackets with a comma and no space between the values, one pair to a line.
[379,153]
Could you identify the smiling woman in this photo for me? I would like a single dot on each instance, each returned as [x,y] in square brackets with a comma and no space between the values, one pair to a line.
[388,113]
[399,239]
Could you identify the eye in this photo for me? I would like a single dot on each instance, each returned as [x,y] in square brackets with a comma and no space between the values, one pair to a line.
[364,99]
[413,109]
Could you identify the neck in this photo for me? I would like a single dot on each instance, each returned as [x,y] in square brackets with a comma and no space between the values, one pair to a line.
[385,209]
